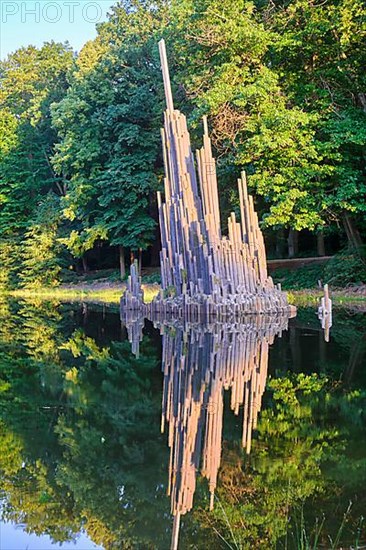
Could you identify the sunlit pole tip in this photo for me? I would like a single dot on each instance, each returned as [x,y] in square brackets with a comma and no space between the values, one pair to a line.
[175,534]
[166,78]
[205,125]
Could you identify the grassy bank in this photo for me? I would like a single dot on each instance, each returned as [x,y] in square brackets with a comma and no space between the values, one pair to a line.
[341,297]
[111,294]
[311,298]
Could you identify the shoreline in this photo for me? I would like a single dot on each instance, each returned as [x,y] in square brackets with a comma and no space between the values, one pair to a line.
[109,293]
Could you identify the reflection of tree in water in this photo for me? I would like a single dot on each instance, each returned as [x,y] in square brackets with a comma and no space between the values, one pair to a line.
[77,448]
[303,349]
[300,431]
[303,465]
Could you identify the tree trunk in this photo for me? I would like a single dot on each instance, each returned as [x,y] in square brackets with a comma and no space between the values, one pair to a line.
[155,249]
[99,254]
[132,257]
[295,348]
[280,243]
[357,353]
[352,233]
[322,352]
[85,314]
[292,243]
[85,264]
[122,265]
[320,243]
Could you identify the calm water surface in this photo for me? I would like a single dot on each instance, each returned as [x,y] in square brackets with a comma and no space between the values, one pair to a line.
[243,436]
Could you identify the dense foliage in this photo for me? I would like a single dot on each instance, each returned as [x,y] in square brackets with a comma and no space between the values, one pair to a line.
[283,85]
[342,270]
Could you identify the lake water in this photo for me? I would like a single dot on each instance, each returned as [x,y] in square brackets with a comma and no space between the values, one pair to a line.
[242,436]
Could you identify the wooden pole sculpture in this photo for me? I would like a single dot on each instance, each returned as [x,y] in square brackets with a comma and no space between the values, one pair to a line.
[218,297]
[204,274]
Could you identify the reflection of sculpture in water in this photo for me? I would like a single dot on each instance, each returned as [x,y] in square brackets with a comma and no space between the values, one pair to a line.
[198,366]
[200,362]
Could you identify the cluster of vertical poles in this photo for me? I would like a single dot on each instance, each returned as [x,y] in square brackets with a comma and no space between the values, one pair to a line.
[197,261]
[208,279]
[204,273]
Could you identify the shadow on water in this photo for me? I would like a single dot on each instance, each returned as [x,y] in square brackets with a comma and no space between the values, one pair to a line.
[263,442]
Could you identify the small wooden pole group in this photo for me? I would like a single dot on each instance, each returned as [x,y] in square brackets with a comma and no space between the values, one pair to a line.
[325,313]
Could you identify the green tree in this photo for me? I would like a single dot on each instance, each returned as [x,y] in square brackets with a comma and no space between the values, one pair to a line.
[284,90]
[295,460]
[42,253]
[319,54]
[230,78]
[30,80]
[109,124]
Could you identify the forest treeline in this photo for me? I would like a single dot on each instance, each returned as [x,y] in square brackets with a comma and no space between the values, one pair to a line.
[282,82]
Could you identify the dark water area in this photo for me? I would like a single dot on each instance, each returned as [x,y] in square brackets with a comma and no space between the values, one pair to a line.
[263,442]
